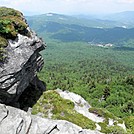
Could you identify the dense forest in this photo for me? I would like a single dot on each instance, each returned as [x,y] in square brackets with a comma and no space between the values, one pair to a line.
[79,33]
[73,33]
[84,28]
[103,76]
[94,62]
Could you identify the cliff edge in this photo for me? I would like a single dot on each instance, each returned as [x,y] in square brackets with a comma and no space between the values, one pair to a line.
[20,58]
[19,63]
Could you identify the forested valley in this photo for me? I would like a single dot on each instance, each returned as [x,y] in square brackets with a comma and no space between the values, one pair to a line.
[104,76]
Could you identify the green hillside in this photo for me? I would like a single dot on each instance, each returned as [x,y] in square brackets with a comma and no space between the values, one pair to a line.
[71,29]
[126,17]
[104,76]
[65,19]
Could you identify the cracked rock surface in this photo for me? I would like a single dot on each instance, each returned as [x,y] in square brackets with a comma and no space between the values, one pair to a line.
[81,106]
[23,62]
[18,74]
[16,121]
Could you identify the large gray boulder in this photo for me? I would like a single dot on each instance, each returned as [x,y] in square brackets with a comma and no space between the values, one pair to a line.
[23,62]
[16,121]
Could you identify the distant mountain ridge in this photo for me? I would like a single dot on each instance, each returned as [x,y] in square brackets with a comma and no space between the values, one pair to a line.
[105,21]
[82,21]
[70,28]
[126,16]
[122,16]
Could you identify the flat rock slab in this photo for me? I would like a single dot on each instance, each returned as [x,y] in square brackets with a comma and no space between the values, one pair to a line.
[16,121]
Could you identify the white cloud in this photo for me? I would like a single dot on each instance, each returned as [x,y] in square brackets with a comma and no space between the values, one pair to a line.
[126,1]
[69,6]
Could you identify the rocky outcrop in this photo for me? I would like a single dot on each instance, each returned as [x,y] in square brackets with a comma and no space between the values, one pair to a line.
[23,62]
[15,121]
[18,79]
[80,105]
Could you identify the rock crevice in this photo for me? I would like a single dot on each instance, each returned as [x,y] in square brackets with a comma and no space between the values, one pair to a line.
[23,62]
[16,121]
[21,88]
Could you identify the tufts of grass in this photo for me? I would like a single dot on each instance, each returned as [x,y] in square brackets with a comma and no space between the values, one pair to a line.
[11,23]
[61,109]
[9,11]
[111,129]
[105,128]
[129,122]
[105,114]
[3,44]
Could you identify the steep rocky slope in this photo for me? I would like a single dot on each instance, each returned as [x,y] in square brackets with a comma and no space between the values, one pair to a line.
[19,63]
[22,57]
[65,105]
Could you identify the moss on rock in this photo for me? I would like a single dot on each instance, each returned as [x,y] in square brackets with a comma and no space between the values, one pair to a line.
[129,123]
[11,23]
[105,114]
[61,109]
[111,129]
[9,11]
[3,44]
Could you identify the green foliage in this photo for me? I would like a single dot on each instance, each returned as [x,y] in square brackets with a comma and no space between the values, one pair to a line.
[61,108]
[3,44]
[9,11]
[6,28]
[11,23]
[105,114]
[74,29]
[103,76]
[129,43]
[2,54]
[111,129]
[129,80]
[129,122]
[89,71]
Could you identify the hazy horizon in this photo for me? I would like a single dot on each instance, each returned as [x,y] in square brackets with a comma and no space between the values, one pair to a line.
[80,14]
[69,7]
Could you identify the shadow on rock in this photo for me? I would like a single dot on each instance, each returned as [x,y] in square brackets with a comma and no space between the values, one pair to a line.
[31,94]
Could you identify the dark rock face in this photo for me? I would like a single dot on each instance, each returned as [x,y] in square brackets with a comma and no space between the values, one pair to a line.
[24,61]
[31,94]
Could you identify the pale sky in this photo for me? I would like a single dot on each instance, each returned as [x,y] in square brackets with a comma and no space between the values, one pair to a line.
[30,7]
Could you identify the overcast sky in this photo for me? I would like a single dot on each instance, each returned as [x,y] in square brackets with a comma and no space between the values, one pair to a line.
[30,7]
